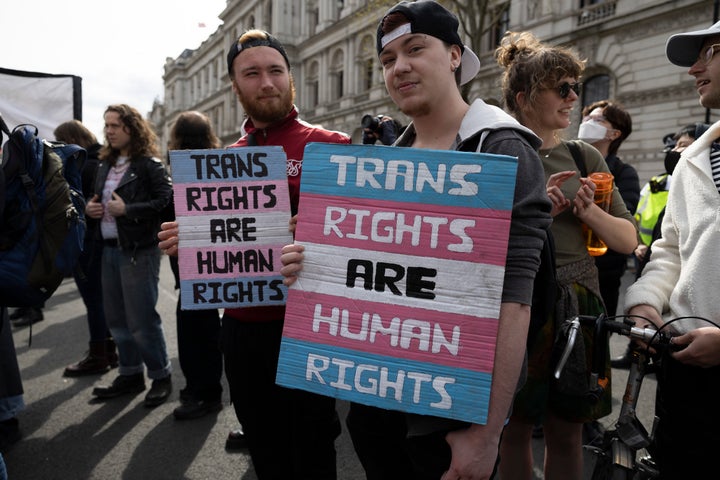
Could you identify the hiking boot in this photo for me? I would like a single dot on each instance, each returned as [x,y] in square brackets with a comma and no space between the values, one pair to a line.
[94,363]
[196,408]
[122,385]
[32,315]
[159,392]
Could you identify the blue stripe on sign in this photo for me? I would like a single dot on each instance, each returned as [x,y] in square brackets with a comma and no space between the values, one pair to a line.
[385,382]
[250,291]
[222,164]
[410,175]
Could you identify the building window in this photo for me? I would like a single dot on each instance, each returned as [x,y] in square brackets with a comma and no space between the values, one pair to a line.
[501,24]
[368,74]
[313,86]
[313,13]
[595,88]
[337,76]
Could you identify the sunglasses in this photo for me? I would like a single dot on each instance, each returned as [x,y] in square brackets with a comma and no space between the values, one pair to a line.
[564,89]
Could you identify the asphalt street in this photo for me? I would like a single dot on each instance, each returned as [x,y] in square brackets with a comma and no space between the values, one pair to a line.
[67,435]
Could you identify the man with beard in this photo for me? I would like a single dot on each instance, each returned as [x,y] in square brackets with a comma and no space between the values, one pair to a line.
[290,433]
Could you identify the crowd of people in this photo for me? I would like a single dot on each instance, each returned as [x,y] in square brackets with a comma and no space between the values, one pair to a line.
[131,224]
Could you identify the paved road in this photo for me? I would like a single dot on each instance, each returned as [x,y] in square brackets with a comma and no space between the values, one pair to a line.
[68,436]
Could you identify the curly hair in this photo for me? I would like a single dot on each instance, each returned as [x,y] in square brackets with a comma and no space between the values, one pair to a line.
[143,140]
[531,66]
[192,130]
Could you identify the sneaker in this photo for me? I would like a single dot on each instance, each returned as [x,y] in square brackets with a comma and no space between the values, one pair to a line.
[9,434]
[32,316]
[159,392]
[192,408]
[236,440]
[122,385]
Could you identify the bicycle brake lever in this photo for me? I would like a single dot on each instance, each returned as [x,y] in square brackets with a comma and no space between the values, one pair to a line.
[572,335]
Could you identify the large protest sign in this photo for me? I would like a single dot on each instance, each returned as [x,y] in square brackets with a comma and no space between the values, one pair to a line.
[398,302]
[232,207]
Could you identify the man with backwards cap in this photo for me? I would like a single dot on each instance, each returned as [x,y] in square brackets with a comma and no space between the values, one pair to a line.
[290,433]
[424,62]
[682,280]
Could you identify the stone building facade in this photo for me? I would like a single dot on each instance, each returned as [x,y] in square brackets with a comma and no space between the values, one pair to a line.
[331,46]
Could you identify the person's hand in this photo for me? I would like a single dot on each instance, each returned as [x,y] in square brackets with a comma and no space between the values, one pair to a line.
[94,208]
[169,240]
[293,224]
[473,454]
[702,347]
[116,206]
[584,201]
[645,316]
[640,251]
[291,256]
[559,202]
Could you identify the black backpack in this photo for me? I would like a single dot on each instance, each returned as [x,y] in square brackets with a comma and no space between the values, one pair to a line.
[42,215]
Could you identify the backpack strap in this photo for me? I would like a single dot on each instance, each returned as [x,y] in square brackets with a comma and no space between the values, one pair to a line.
[545,286]
[578,158]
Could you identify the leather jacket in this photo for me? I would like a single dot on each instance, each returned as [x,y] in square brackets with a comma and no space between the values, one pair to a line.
[146,189]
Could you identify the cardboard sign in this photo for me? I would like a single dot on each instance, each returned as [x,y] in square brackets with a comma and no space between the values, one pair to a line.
[398,301]
[232,207]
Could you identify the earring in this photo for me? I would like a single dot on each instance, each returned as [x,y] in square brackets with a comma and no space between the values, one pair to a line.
[453,68]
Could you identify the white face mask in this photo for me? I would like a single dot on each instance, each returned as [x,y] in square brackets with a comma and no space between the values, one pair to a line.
[591,132]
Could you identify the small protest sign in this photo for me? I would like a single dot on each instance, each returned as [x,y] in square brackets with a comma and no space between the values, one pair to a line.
[398,302]
[232,207]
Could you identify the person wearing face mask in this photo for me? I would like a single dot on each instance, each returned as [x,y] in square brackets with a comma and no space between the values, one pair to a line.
[606,125]
[653,196]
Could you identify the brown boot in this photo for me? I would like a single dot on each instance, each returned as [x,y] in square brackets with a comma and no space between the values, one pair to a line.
[94,363]
[111,353]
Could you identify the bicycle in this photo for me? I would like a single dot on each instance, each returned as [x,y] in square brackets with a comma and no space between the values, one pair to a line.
[617,456]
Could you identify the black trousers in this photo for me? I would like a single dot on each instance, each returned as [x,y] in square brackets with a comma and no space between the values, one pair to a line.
[290,433]
[10,382]
[386,452]
[686,439]
[199,353]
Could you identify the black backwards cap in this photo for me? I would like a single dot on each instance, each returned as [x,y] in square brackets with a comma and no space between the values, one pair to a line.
[270,41]
[433,19]
[683,48]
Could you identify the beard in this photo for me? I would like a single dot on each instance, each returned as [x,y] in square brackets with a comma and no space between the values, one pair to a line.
[268,111]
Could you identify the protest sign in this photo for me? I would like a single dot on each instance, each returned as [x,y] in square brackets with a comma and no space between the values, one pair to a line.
[232,207]
[398,302]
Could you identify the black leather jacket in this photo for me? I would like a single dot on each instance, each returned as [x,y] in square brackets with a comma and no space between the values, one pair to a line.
[146,189]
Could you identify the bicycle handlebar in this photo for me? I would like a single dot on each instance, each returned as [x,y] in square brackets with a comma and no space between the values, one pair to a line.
[603,326]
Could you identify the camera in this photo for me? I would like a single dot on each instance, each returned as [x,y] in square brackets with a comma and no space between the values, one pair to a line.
[370,122]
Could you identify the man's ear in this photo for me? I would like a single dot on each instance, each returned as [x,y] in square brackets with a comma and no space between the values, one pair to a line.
[521,99]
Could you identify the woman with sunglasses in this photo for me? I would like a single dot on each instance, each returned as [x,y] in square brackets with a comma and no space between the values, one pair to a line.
[540,88]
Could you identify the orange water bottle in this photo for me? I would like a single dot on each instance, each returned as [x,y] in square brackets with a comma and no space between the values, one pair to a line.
[603,198]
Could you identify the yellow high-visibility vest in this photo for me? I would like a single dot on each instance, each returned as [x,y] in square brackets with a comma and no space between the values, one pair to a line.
[653,198]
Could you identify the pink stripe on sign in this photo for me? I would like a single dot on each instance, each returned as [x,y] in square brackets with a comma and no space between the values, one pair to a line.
[227,262]
[453,340]
[466,234]
[227,197]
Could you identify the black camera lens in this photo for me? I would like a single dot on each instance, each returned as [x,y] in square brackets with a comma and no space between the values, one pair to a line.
[368,121]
